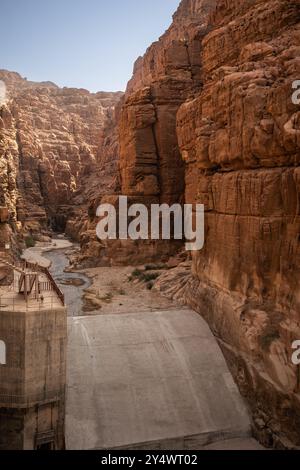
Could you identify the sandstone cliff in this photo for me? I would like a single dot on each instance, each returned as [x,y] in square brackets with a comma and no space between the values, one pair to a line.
[51,141]
[151,167]
[208,118]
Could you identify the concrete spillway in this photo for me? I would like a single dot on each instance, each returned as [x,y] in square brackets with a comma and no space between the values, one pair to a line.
[152,380]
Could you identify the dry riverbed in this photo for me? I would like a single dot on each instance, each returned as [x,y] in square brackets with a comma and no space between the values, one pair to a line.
[35,254]
[122,290]
[114,290]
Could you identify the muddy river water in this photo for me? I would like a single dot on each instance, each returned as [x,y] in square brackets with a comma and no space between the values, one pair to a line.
[72,284]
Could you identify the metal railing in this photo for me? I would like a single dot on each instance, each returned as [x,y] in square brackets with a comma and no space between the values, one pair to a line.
[37,268]
[44,286]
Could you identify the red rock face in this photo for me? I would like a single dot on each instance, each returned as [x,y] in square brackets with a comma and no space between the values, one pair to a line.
[51,140]
[208,117]
[227,74]
[150,162]
[151,167]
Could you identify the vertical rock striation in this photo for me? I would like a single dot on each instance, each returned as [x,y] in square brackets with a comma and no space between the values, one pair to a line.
[51,141]
[207,118]
[240,140]
[151,167]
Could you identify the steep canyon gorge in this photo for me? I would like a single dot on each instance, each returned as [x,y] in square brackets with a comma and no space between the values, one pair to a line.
[52,141]
[207,118]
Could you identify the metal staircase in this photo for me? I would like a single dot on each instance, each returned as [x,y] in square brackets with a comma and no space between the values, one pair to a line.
[29,280]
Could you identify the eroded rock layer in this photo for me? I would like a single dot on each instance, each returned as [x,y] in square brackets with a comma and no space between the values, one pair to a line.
[151,166]
[207,118]
[52,140]
[239,138]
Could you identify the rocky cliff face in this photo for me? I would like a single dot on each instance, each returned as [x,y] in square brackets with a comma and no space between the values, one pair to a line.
[151,167]
[208,118]
[52,140]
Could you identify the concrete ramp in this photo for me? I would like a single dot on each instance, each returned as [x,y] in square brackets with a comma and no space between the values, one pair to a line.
[154,380]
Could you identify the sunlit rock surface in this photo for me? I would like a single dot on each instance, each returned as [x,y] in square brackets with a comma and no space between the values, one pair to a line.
[208,118]
[52,139]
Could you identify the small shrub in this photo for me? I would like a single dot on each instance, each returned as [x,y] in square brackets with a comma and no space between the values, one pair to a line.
[137,273]
[29,242]
[155,267]
[150,277]
[144,276]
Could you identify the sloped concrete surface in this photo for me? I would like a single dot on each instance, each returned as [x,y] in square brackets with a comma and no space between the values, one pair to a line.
[153,380]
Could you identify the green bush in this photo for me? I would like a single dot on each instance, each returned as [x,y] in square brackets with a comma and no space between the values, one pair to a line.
[137,273]
[150,277]
[144,276]
[29,242]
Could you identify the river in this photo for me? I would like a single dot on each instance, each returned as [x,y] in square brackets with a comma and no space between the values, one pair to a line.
[72,284]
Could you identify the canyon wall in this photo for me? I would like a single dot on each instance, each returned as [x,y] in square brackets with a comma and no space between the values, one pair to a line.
[151,166]
[208,118]
[52,140]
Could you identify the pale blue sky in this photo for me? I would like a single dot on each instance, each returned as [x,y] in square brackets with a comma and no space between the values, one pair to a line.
[82,43]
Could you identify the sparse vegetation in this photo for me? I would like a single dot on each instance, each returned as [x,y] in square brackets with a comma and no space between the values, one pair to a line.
[144,276]
[150,277]
[137,273]
[155,267]
[29,242]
